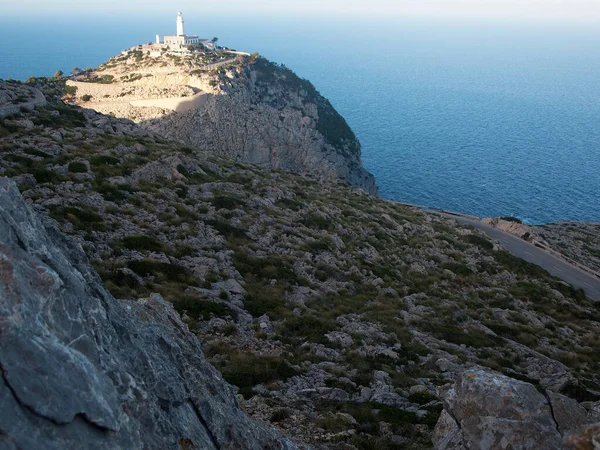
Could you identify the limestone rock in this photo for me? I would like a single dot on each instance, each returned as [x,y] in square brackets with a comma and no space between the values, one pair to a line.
[495,411]
[83,370]
[567,412]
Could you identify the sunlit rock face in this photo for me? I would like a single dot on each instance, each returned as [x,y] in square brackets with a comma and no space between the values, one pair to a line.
[242,107]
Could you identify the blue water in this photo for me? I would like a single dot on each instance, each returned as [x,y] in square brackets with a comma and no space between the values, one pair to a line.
[489,119]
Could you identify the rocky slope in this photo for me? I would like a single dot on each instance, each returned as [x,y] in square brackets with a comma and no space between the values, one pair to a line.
[335,314]
[245,108]
[83,370]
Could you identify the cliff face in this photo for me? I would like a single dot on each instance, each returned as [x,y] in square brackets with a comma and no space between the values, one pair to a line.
[270,117]
[83,370]
[249,109]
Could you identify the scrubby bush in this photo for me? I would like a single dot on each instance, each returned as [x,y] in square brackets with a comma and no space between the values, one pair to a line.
[142,243]
[77,167]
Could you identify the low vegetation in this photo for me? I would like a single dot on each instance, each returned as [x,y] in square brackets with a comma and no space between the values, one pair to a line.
[335,314]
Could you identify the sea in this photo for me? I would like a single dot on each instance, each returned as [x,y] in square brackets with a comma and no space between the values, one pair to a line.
[490,118]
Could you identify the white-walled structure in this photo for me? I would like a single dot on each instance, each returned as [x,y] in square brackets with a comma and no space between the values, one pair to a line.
[180,31]
[181,39]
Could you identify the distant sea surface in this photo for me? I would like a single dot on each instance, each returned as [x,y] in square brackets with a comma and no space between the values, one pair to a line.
[491,119]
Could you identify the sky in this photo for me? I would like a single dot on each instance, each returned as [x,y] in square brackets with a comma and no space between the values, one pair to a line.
[493,9]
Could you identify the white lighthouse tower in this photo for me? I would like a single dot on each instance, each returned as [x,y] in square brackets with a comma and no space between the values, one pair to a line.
[181,40]
[180,31]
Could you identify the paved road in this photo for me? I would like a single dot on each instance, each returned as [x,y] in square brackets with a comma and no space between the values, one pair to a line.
[529,252]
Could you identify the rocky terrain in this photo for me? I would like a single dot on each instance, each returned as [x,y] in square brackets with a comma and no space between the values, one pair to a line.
[81,369]
[339,318]
[242,107]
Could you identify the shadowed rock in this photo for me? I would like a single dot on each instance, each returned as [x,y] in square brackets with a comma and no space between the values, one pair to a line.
[486,410]
[83,370]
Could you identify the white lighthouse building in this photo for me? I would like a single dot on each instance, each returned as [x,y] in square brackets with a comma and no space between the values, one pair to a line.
[181,39]
[180,31]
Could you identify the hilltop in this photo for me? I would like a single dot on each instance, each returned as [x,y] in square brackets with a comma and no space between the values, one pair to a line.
[337,316]
[240,106]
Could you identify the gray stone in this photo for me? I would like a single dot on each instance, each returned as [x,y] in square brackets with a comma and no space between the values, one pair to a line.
[83,370]
[418,388]
[341,338]
[495,411]
[447,434]
[567,412]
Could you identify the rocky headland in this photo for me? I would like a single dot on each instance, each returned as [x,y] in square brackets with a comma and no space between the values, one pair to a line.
[242,107]
[339,319]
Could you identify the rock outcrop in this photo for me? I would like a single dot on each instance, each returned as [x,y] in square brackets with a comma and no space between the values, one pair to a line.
[83,370]
[487,410]
[270,117]
[245,108]
[16,98]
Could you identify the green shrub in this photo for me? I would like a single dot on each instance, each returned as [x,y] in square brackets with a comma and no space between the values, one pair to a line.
[142,243]
[77,167]
[45,176]
[280,415]
[109,191]
[35,152]
[227,230]
[519,266]
[479,241]
[245,369]
[163,271]
[198,308]
[458,269]
[307,327]
[70,90]
[226,202]
[264,268]
[98,160]
[262,299]
[84,218]
[317,221]
[68,117]
[421,397]
[289,204]
[530,291]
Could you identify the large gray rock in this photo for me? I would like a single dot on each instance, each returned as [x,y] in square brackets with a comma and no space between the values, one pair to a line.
[83,370]
[491,411]
[567,413]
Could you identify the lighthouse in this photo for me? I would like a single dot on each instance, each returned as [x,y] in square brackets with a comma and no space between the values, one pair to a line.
[181,40]
[180,31]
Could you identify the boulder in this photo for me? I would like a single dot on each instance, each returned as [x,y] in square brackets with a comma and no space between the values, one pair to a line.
[494,411]
[567,413]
